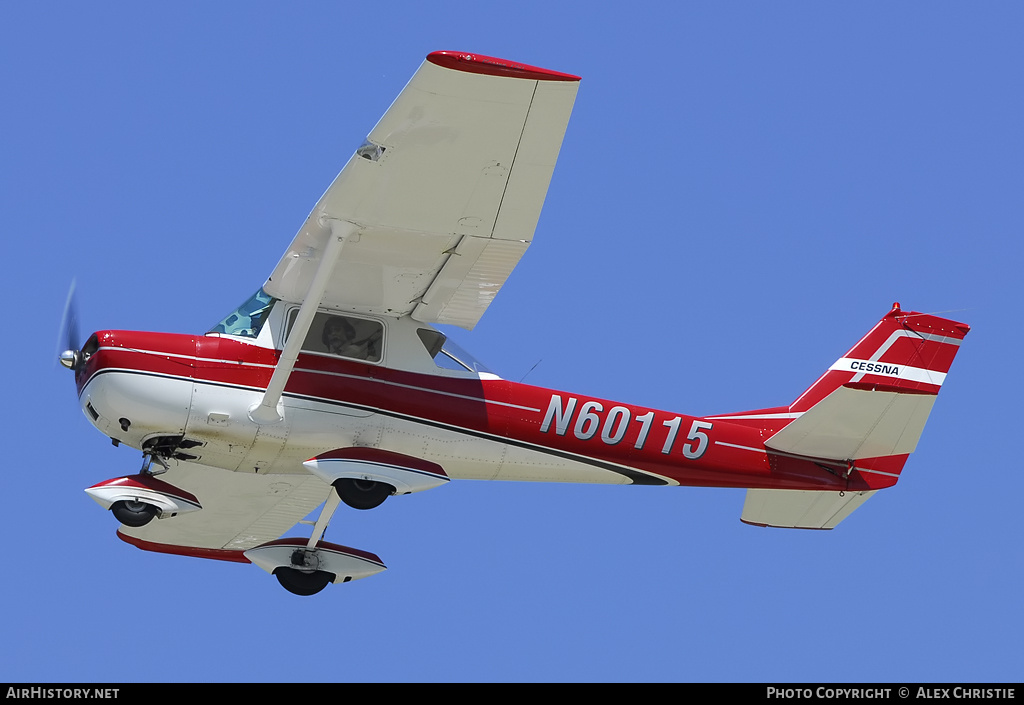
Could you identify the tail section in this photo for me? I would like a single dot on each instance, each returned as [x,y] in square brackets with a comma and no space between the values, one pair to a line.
[864,415]
[874,401]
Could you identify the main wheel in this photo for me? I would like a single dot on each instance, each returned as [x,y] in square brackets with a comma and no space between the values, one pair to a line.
[299,583]
[362,494]
[133,513]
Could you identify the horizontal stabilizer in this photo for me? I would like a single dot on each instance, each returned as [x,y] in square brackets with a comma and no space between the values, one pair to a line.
[852,423]
[799,509]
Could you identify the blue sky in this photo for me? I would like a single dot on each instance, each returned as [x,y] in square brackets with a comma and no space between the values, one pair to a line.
[743,190]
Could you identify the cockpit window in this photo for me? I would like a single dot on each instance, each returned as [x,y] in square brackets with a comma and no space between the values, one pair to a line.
[346,336]
[447,355]
[247,319]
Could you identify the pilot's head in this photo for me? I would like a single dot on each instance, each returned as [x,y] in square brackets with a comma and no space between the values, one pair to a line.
[337,332]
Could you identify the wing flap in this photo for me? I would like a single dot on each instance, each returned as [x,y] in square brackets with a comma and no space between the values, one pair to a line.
[469,281]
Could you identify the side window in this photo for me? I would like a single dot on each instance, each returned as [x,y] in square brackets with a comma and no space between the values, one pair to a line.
[434,342]
[449,356]
[344,336]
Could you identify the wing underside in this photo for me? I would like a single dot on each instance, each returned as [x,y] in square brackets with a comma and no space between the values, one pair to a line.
[443,198]
[240,510]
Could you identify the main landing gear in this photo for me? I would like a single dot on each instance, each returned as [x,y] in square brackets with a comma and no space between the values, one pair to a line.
[305,567]
[299,582]
[362,494]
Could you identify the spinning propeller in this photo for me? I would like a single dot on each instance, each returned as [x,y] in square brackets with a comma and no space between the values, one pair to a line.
[69,343]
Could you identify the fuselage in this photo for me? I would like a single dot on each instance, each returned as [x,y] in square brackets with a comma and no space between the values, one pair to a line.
[192,397]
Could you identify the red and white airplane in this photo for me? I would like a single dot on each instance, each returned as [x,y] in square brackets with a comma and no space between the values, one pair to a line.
[329,385]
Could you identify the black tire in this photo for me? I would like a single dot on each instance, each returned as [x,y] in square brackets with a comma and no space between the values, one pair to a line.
[133,514]
[305,584]
[362,494]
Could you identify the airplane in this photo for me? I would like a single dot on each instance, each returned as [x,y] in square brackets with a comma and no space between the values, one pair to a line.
[331,384]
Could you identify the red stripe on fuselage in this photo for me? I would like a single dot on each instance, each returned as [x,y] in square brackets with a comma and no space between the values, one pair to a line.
[594,430]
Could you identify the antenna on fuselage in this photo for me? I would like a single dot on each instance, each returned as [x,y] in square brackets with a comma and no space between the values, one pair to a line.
[531,370]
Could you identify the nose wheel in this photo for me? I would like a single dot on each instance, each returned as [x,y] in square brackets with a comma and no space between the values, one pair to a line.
[134,514]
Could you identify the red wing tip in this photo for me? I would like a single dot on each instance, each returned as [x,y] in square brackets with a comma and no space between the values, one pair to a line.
[217,554]
[491,66]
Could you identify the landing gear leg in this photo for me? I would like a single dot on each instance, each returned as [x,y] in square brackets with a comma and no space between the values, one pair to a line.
[304,577]
[147,464]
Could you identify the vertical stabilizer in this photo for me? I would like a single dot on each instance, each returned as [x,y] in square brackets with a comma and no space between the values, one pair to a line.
[861,419]
[905,352]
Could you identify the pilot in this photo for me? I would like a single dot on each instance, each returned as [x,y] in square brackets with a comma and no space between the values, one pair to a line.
[339,337]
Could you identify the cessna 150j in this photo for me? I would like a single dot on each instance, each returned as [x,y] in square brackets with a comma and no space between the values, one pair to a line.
[329,385]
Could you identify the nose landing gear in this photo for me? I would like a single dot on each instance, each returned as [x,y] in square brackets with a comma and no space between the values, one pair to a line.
[138,499]
[133,513]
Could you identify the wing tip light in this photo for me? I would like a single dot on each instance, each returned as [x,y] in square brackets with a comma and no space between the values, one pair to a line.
[491,66]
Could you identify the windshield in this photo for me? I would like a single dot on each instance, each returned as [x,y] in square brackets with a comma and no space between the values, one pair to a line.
[247,319]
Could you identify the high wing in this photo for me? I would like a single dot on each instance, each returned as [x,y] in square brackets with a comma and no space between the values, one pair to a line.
[442,200]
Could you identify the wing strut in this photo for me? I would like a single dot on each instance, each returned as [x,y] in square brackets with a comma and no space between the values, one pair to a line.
[266,411]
